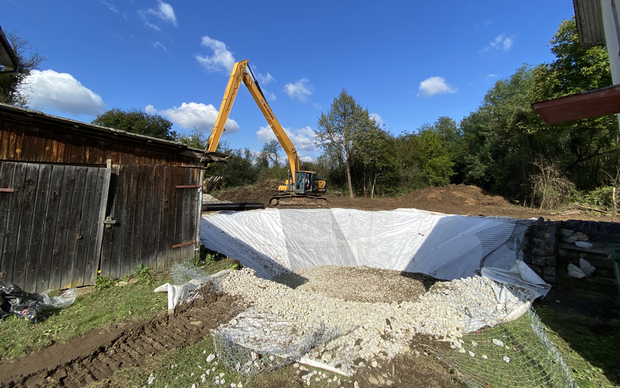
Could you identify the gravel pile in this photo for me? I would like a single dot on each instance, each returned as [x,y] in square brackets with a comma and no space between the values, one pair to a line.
[359,284]
[208,198]
[371,331]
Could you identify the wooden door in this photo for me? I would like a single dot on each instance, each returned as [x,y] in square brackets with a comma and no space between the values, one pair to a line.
[51,224]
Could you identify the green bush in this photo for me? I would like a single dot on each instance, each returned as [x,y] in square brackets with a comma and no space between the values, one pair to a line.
[601,197]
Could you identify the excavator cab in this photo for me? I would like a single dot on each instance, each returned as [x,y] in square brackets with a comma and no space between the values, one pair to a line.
[308,182]
[305,183]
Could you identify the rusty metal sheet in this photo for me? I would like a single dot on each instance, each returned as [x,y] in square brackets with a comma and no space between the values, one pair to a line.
[596,103]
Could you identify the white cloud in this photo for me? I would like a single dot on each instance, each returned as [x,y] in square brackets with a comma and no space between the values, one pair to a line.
[434,85]
[61,92]
[491,75]
[302,139]
[500,42]
[265,79]
[298,89]
[221,60]
[165,12]
[157,44]
[111,7]
[194,115]
[151,25]
[377,118]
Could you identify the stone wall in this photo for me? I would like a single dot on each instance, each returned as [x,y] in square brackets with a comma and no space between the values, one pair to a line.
[540,248]
[550,248]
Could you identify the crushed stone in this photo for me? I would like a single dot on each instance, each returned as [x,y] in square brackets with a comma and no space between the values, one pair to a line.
[370,330]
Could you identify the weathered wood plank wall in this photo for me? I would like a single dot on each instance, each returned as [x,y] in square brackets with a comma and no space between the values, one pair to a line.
[50,224]
[156,223]
[47,224]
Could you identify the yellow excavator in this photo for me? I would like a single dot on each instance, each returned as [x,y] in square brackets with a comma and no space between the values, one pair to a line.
[303,188]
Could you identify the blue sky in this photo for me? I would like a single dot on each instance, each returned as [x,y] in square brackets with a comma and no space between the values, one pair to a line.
[407,62]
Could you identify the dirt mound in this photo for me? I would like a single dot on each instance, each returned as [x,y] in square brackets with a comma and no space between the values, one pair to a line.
[452,199]
[249,194]
[456,195]
[97,355]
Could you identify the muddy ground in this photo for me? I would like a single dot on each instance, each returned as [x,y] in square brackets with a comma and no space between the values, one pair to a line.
[452,199]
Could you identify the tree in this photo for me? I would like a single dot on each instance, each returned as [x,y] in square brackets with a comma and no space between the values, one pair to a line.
[239,170]
[13,81]
[371,145]
[584,149]
[196,139]
[137,121]
[337,130]
[271,152]
[506,142]
[499,137]
[435,162]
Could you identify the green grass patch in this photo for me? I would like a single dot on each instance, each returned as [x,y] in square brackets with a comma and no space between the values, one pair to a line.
[590,345]
[514,355]
[101,308]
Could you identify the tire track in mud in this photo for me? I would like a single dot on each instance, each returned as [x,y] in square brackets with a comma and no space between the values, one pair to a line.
[129,347]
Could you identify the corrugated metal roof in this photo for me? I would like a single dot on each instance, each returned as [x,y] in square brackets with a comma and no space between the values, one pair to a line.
[589,18]
[596,103]
[7,55]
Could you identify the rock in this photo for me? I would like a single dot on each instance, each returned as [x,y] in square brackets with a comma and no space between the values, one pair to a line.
[585,267]
[575,272]
[583,244]
[210,358]
[151,379]
[580,236]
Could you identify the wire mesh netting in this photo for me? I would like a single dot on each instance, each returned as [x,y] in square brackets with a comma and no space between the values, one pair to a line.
[255,342]
[513,354]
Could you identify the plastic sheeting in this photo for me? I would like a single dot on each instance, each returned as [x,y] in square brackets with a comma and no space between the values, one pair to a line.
[444,246]
[187,292]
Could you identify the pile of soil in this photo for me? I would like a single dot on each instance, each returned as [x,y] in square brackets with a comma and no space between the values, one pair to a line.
[452,199]
[248,194]
[456,195]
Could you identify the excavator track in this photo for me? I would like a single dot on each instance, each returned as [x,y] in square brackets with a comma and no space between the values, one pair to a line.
[298,200]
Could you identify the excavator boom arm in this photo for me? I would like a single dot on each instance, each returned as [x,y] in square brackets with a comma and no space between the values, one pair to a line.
[238,75]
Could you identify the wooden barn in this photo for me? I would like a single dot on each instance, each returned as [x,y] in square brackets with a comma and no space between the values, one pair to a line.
[78,199]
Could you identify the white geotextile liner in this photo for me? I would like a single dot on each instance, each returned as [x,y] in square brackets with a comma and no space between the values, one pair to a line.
[272,241]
